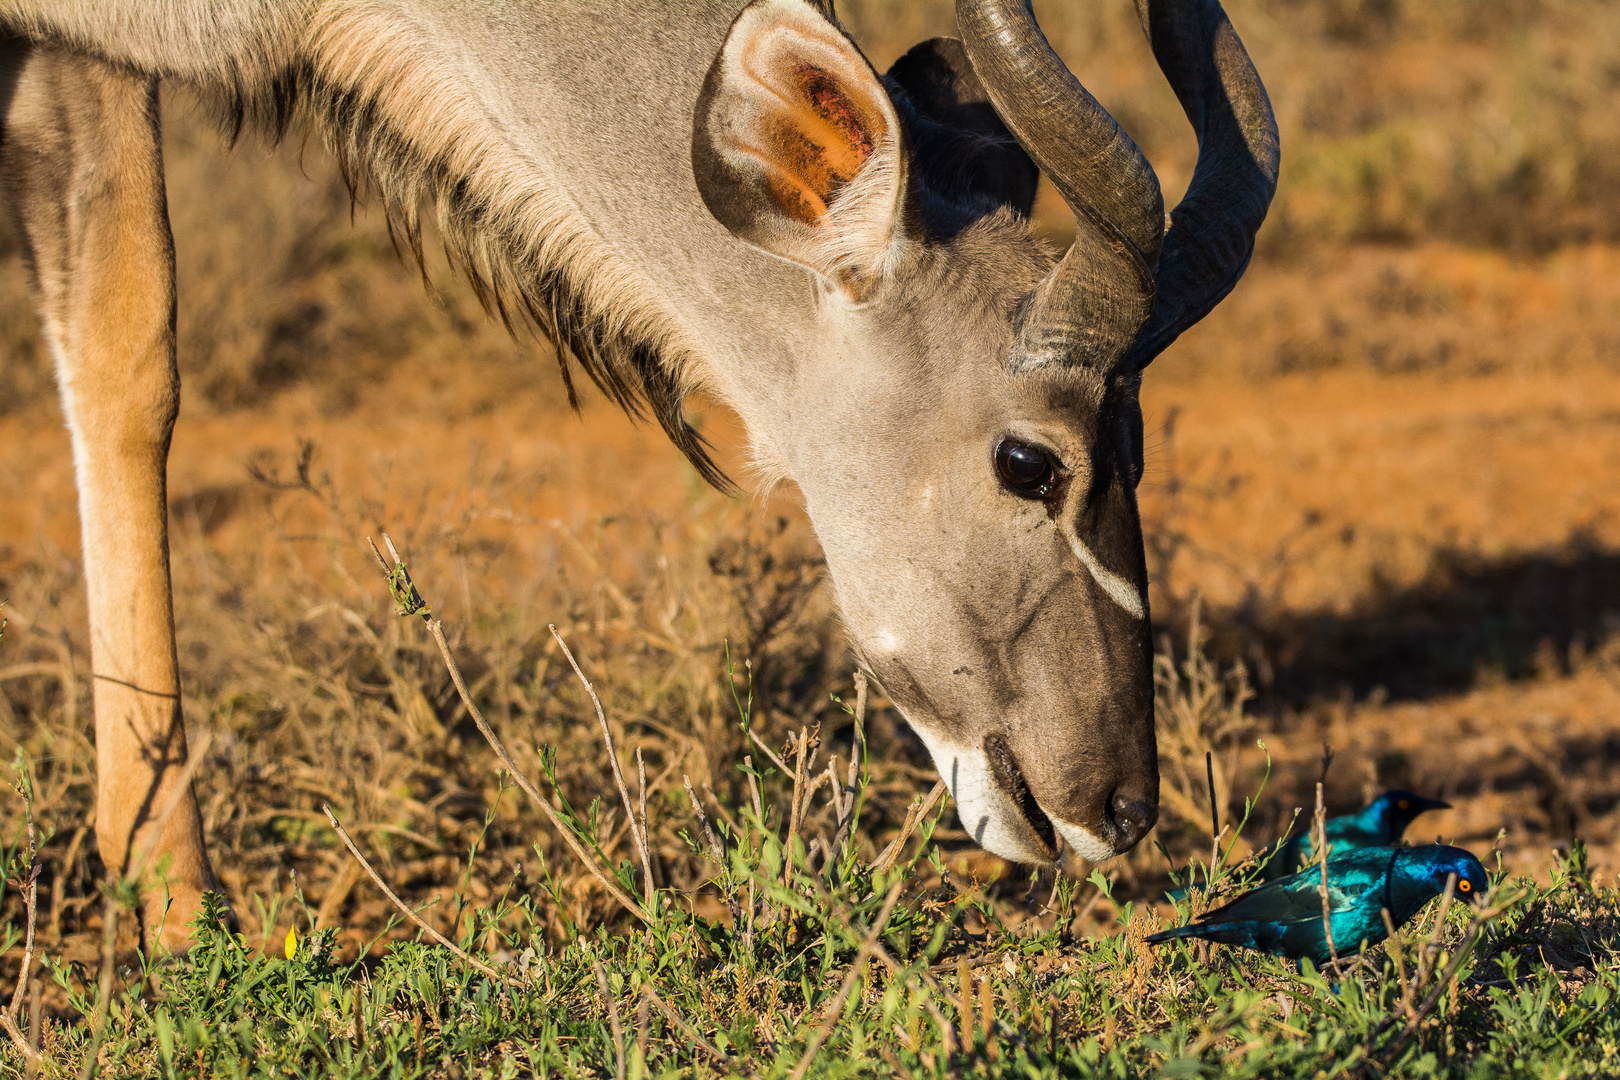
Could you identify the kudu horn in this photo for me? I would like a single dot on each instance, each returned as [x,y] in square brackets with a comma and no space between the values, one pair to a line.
[1126,289]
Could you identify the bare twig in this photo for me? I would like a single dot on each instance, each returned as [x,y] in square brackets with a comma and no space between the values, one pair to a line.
[30,889]
[835,792]
[1397,953]
[11,1017]
[641,809]
[703,822]
[1322,853]
[1432,948]
[857,751]
[896,970]
[109,956]
[964,1003]
[857,738]
[753,790]
[1214,816]
[405,908]
[1214,804]
[718,851]
[794,807]
[914,814]
[618,775]
[768,752]
[686,1029]
[855,971]
[1487,912]
[643,1015]
[613,1017]
[411,603]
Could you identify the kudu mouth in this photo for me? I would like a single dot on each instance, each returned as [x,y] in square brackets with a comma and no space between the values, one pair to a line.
[1010,778]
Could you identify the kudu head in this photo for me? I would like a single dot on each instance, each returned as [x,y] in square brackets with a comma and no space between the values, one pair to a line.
[964,425]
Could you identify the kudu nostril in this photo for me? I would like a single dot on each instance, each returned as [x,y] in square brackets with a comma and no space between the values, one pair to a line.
[1132,817]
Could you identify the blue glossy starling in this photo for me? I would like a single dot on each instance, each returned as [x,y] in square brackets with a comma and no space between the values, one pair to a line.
[1381,824]
[1284,917]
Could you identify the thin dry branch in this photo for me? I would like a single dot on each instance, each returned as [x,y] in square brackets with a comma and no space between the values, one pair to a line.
[915,813]
[10,1018]
[900,972]
[714,847]
[703,822]
[842,998]
[1214,815]
[753,790]
[109,956]
[613,1018]
[850,797]
[1488,910]
[775,760]
[641,819]
[638,835]
[1322,853]
[795,808]
[681,1025]
[405,908]
[411,603]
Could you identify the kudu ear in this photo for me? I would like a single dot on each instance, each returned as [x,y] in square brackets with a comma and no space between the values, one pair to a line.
[796,147]
[961,150]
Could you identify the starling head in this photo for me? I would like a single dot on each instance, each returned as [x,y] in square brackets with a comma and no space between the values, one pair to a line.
[1425,870]
[1395,810]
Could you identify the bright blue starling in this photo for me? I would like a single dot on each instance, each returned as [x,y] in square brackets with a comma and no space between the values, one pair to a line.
[1284,917]
[1381,824]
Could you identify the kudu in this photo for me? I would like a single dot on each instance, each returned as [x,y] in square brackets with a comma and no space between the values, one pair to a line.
[680,194]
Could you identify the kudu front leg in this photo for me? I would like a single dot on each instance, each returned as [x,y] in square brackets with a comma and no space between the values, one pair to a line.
[83,168]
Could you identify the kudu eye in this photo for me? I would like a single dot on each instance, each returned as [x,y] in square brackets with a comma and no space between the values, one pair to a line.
[1027,471]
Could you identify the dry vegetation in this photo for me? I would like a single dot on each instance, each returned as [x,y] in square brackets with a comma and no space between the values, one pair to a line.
[1383,479]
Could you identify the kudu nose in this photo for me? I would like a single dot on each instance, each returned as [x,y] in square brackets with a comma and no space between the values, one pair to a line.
[1132,816]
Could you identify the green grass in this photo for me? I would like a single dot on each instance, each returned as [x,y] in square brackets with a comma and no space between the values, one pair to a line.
[798,988]
[800,951]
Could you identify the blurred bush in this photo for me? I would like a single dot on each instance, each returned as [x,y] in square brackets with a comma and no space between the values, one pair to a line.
[1482,123]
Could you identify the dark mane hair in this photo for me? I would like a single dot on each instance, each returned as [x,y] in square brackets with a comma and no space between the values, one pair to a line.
[530,261]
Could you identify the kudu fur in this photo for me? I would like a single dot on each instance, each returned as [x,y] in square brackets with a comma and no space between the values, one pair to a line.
[694,194]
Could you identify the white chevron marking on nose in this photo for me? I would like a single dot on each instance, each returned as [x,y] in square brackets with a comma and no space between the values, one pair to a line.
[1119,590]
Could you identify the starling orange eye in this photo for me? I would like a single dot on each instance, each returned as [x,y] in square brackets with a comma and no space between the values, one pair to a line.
[1404,805]
[1465,886]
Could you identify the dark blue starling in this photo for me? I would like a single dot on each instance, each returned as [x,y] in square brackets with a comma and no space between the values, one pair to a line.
[1284,917]
[1381,824]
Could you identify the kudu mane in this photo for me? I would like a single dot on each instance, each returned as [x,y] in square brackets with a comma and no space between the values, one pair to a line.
[407,132]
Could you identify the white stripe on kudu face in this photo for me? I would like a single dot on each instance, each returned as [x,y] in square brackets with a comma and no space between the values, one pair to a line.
[1119,590]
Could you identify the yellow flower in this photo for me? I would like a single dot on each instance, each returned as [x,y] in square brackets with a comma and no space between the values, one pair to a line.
[292,942]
